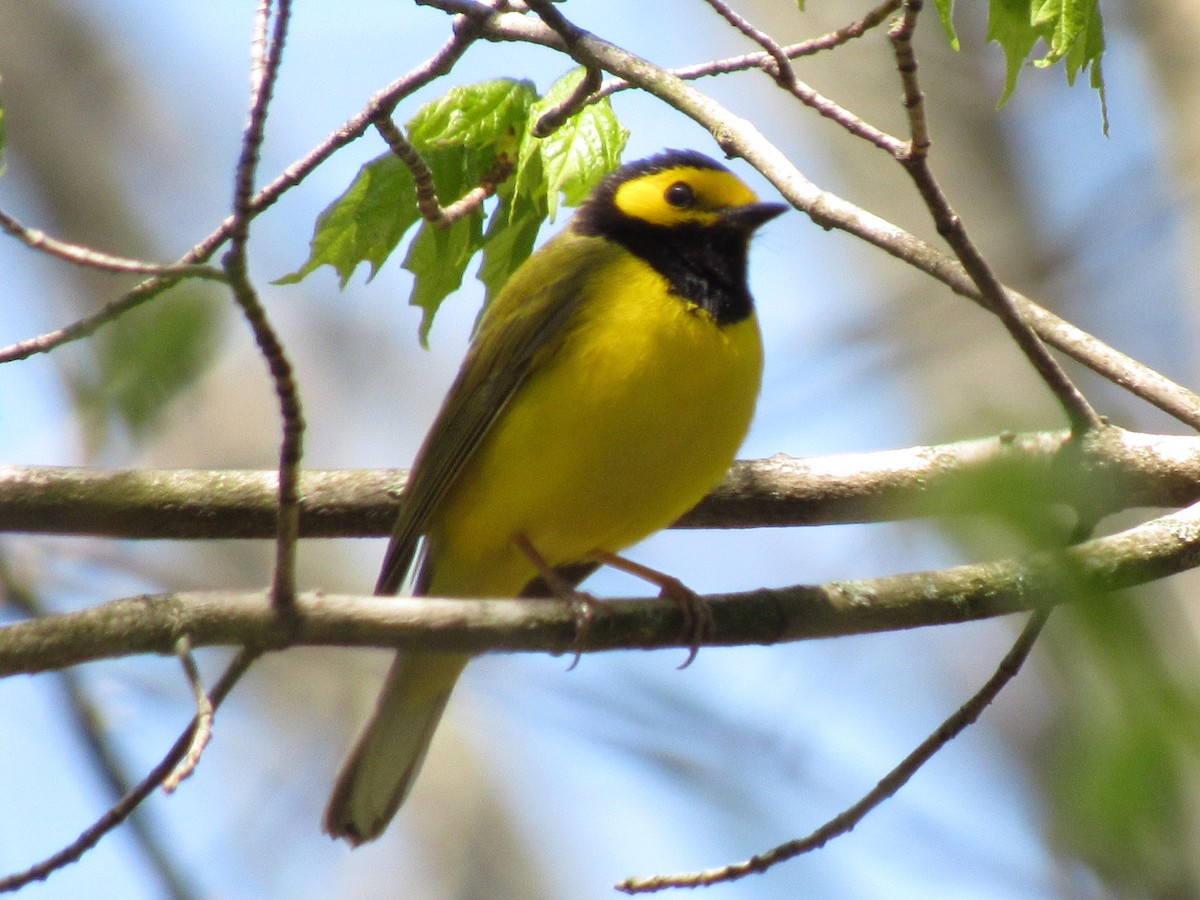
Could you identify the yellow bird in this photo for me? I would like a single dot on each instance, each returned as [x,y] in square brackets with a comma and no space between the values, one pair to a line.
[607,390]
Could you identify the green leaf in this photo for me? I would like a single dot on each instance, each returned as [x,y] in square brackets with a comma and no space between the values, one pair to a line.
[509,240]
[438,258]
[575,157]
[370,219]
[143,361]
[365,224]
[1124,751]
[461,136]
[478,116]
[945,10]
[1009,25]
[1072,31]
[3,163]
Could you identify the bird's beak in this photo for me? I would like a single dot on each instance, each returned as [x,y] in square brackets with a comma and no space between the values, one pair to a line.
[753,215]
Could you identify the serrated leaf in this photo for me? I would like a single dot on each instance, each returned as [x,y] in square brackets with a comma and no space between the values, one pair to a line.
[575,157]
[365,224]
[509,240]
[460,136]
[1009,25]
[438,258]
[1072,31]
[945,10]
[477,116]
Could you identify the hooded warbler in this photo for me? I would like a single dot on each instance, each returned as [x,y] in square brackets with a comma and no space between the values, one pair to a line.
[606,391]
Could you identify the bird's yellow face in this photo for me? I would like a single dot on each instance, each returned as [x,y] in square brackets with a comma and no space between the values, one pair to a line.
[690,220]
[682,195]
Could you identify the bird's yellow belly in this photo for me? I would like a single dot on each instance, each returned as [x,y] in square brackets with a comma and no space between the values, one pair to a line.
[636,417]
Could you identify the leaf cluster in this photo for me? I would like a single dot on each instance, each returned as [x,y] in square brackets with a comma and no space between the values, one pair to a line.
[461,137]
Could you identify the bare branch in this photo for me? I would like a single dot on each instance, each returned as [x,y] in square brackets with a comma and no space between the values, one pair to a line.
[1104,473]
[131,801]
[153,623]
[963,717]
[781,66]
[380,105]
[202,730]
[94,259]
[950,226]
[86,718]
[267,56]
[846,33]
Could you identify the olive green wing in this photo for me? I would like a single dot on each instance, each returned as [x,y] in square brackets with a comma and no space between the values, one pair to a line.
[528,320]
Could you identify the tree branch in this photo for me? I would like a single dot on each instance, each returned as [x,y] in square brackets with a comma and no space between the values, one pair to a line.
[1104,473]
[154,623]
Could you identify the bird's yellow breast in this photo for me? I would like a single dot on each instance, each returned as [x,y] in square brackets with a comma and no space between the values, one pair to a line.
[627,423]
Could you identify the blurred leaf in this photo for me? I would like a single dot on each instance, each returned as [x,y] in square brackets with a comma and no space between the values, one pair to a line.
[3,162]
[364,224]
[1072,31]
[945,10]
[1126,753]
[148,357]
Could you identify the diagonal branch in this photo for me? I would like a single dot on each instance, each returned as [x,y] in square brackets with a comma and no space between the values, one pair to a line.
[92,835]
[915,160]
[899,776]
[87,721]
[380,105]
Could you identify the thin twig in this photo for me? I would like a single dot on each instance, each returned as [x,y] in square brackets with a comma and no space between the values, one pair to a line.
[746,61]
[379,106]
[553,119]
[202,733]
[86,720]
[120,811]
[267,55]
[38,240]
[966,715]
[951,227]
[427,199]
[782,69]
[853,123]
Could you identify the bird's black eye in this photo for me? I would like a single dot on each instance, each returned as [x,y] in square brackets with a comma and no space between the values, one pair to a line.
[680,195]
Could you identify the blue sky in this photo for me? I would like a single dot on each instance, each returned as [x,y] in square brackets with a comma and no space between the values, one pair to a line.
[624,766]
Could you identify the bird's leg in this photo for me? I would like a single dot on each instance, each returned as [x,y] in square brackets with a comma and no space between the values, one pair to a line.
[584,603]
[697,615]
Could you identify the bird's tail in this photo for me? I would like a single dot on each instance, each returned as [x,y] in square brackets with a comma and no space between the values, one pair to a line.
[380,771]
